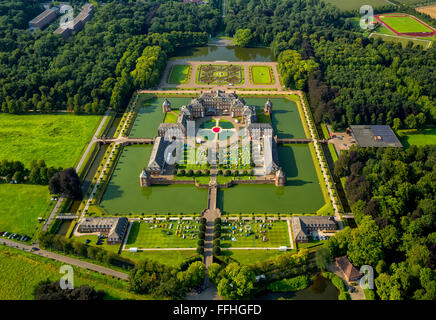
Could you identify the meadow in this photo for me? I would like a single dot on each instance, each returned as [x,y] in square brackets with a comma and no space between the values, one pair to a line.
[419,138]
[22,271]
[21,205]
[58,139]
[251,256]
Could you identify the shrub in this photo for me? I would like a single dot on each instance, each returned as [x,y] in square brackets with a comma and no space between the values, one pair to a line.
[217,234]
[202,227]
[217,242]
[190,173]
[201,235]
[203,220]
[216,251]
[200,250]
[217,221]
[227,173]
[200,243]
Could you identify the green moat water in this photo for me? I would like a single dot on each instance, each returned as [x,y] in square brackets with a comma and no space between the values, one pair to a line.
[124,195]
[217,53]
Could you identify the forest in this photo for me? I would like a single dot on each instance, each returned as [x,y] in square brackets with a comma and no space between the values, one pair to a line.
[41,72]
[392,195]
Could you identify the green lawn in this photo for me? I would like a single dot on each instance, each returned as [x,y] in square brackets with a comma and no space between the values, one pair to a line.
[124,194]
[171,117]
[404,24]
[21,205]
[248,256]
[58,139]
[404,41]
[261,75]
[150,115]
[163,234]
[348,5]
[419,138]
[225,124]
[167,257]
[21,271]
[179,74]
[242,234]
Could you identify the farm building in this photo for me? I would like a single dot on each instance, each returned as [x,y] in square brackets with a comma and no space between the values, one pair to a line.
[114,228]
[303,225]
[350,272]
[380,136]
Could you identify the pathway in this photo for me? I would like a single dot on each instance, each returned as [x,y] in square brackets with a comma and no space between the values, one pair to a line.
[65,259]
[61,199]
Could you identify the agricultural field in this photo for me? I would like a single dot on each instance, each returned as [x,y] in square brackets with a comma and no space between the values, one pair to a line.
[163,234]
[124,195]
[403,24]
[418,138]
[21,205]
[428,10]
[179,74]
[220,74]
[261,75]
[349,5]
[254,234]
[58,139]
[22,271]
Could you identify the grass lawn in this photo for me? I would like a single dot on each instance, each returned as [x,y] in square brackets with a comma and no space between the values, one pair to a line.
[262,117]
[179,74]
[404,24]
[171,117]
[348,5]
[150,115]
[419,138]
[58,139]
[247,256]
[261,75]
[403,40]
[167,257]
[311,244]
[226,124]
[242,234]
[163,234]
[21,205]
[22,271]
[124,194]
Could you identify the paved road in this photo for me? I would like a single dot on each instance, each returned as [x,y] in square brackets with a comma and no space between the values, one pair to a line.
[67,260]
[61,199]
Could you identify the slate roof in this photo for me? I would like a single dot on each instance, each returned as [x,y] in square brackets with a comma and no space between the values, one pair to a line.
[375,136]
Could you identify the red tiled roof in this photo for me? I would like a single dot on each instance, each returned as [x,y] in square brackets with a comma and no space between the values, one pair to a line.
[348,269]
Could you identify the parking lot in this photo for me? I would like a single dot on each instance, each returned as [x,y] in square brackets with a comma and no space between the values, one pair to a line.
[14,236]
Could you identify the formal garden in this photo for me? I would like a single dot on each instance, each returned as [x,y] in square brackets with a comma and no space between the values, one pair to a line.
[261,75]
[220,74]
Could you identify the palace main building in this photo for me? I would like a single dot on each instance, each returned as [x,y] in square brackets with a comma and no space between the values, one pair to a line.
[213,103]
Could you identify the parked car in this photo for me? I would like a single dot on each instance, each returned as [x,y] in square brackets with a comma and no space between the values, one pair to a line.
[1,233]
[5,234]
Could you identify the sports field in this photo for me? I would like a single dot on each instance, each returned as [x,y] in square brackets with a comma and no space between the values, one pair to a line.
[21,205]
[403,24]
[163,234]
[22,271]
[58,139]
[179,74]
[261,75]
[249,234]
[124,195]
[302,193]
[150,115]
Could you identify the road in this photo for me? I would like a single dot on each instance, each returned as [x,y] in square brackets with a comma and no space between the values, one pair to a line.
[61,199]
[65,259]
